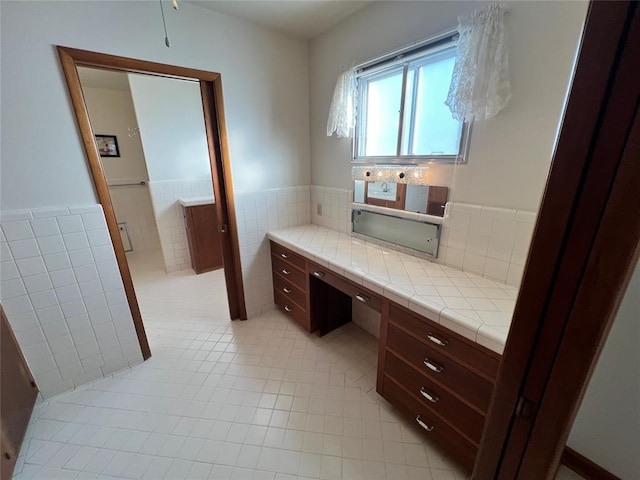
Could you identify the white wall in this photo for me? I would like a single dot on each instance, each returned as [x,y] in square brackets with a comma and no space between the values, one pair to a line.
[607,428]
[510,155]
[169,114]
[264,75]
[111,112]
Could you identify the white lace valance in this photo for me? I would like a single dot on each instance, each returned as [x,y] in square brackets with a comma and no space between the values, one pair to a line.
[480,85]
[342,113]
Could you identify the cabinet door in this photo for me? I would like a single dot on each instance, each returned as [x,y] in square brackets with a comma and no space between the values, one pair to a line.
[204,244]
[18,394]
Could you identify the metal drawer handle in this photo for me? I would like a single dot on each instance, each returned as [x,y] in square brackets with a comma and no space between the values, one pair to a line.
[285,271]
[436,340]
[286,290]
[288,308]
[428,396]
[318,274]
[432,366]
[362,298]
[284,255]
[428,428]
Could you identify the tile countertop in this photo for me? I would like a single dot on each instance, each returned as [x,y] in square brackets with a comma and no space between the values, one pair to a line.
[195,201]
[475,307]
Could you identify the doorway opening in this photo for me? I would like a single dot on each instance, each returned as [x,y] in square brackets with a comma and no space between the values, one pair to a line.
[164,179]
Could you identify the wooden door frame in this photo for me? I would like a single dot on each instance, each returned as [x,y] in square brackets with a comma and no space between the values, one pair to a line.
[215,127]
[584,249]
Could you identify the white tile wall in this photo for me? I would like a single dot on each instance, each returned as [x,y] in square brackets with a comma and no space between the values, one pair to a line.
[492,242]
[331,208]
[256,214]
[488,241]
[169,217]
[64,298]
[133,205]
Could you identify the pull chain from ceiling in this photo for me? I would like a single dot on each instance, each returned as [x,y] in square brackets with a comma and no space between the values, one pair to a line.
[164,23]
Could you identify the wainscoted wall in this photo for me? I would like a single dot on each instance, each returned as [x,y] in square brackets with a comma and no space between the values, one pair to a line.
[487,241]
[63,295]
[331,208]
[133,205]
[169,217]
[256,214]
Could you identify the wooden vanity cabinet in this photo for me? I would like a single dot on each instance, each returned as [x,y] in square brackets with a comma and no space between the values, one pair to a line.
[291,284]
[314,296]
[440,379]
[202,234]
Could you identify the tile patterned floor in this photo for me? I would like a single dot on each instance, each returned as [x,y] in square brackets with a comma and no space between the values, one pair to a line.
[228,400]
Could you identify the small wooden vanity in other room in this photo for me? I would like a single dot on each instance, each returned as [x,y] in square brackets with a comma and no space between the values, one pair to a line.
[438,378]
[201,224]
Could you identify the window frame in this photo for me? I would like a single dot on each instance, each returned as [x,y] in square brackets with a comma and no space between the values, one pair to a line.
[380,69]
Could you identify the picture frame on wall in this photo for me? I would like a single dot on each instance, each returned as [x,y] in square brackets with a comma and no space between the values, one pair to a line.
[107,145]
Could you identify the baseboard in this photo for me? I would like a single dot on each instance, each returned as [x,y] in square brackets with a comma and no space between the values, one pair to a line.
[585,467]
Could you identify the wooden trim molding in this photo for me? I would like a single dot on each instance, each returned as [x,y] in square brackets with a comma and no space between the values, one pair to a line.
[86,58]
[70,70]
[211,89]
[585,467]
[223,189]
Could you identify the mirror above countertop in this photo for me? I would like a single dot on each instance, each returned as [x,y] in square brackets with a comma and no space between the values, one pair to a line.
[427,199]
[399,187]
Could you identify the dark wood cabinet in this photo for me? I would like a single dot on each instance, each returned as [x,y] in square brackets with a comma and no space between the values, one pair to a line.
[440,379]
[18,394]
[202,234]
[291,284]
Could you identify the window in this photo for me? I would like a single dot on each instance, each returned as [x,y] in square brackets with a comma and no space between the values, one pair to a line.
[401,112]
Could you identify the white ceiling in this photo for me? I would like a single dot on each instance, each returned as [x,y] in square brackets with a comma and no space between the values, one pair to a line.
[299,18]
[98,78]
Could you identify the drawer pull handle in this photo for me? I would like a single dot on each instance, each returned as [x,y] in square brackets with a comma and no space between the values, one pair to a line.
[284,255]
[318,274]
[428,396]
[436,340]
[428,428]
[286,290]
[362,298]
[288,308]
[432,366]
[285,271]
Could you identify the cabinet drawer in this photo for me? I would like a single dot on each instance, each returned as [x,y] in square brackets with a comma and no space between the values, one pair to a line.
[436,398]
[289,273]
[435,428]
[440,368]
[288,290]
[292,309]
[445,340]
[357,293]
[286,254]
